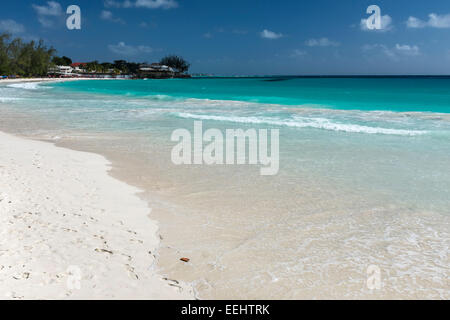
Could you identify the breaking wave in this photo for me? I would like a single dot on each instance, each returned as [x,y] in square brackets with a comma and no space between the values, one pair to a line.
[303,122]
[27,85]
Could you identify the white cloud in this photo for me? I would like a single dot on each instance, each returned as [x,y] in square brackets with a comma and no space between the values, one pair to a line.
[106,15]
[52,8]
[47,13]
[298,53]
[413,22]
[407,50]
[434,21]
[381,47]
[112,4]
[207,35]
[149,4]
[439,21]
[109,16]
[322,42]
[155,4]
[11,26]
[386,24]
[128,50]
[394,52]
[267,34]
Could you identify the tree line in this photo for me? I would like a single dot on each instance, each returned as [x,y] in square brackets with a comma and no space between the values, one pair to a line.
[25,59]
[33,59]
[123,66]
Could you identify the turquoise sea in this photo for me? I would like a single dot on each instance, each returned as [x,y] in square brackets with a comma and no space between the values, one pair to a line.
[421,94]
[364,176]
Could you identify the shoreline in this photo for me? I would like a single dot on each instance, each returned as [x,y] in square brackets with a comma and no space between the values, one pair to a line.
[30,80]
[222,248]
[72,231]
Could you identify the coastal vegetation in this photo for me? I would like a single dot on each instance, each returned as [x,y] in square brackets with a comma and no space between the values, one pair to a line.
[125,67]
[34,59]
[117,67]
[62,61]
[25,59]
[176,62]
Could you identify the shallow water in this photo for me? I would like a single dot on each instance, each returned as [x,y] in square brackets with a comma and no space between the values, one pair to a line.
[364,178]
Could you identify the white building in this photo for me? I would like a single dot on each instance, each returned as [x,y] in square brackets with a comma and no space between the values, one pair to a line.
[66,71]
[155,67]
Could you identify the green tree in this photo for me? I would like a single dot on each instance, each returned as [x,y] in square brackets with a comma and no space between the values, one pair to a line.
[62,61]
[121,65]
[4,59]
[24,59]
[133,67]
[176,62]
[94,66]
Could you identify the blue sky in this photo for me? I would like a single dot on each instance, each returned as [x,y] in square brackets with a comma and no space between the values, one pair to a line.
[236,37]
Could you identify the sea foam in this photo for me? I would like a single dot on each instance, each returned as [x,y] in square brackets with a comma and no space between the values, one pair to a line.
[303,122]
[27,85]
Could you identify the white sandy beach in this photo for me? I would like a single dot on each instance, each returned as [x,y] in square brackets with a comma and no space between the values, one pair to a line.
[20,80]
[26,80]
[68,230]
